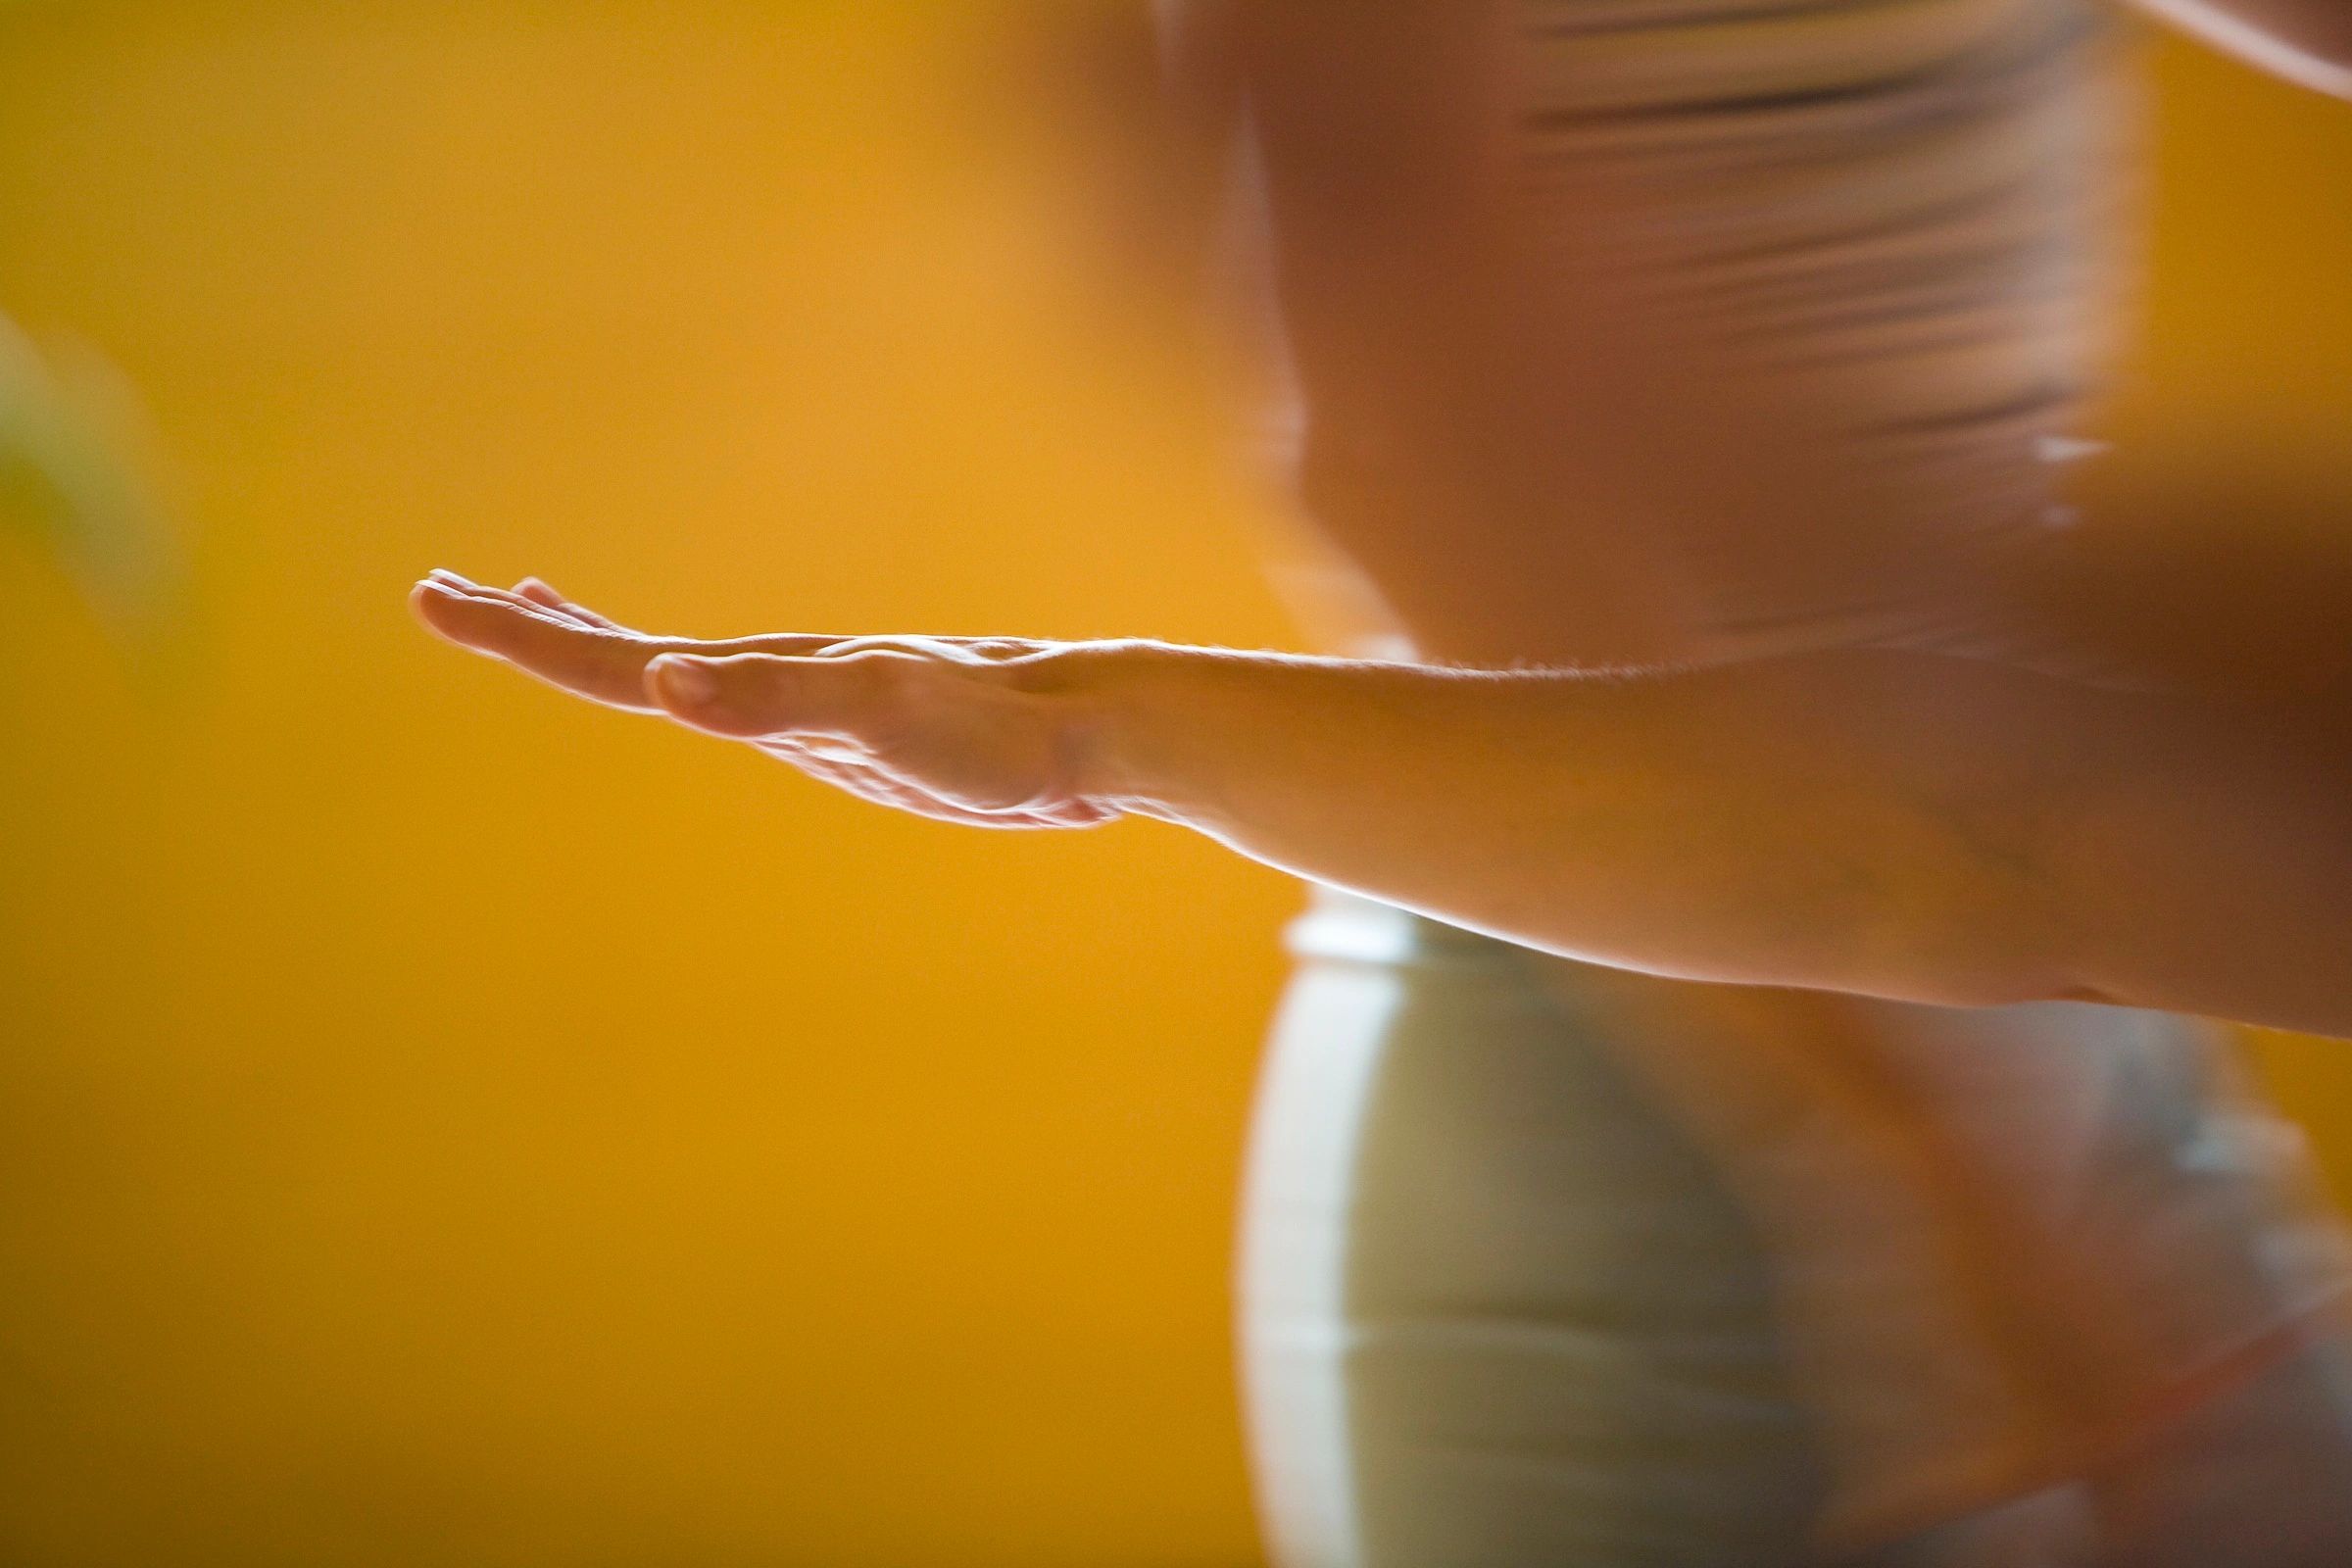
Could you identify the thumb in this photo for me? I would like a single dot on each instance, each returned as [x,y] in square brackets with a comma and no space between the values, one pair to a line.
[749,696]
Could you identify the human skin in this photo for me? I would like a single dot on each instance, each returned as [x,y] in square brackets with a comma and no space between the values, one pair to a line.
[2308,42]
[1529,454]
[1888,824]
[1522,435]
[1462,383]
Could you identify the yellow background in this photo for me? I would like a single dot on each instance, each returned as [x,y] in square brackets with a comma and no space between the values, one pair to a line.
[442,1123]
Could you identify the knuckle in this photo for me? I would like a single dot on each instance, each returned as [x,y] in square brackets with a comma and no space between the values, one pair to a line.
[888,674]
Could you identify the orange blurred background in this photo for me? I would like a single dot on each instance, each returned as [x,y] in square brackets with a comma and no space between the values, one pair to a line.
[444,1123]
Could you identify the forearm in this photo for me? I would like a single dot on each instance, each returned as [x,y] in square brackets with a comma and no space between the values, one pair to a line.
[1703,825]
[1926,829]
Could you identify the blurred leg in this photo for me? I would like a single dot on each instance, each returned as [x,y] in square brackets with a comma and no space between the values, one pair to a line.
[2057,1528]
[2259,1477]
[1495,1312]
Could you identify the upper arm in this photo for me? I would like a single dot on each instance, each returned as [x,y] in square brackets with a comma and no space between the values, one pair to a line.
[2308,42]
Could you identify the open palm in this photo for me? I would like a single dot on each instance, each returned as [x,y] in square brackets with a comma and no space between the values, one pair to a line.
[979,731]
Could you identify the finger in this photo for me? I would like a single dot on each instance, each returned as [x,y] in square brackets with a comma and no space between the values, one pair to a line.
[811,645]
[958,649]
[750,696]
[998,649]
[482,590]
[538,592]
[835,645]
[590,662]
[474,589]
[545,602]
[536,597]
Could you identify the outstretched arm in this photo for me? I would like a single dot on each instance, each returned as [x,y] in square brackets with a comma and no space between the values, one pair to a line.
[1894,825]
[2308,42]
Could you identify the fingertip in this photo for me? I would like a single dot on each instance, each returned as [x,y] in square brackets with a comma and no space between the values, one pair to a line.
[427,596]
[471,618]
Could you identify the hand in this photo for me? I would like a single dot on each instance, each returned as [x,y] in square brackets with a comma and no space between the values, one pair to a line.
[988,732]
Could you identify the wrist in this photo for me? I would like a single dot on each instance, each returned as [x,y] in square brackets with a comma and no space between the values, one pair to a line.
[1127,705]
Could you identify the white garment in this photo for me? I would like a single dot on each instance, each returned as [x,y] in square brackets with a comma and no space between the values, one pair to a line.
[1495,1311]
[1497,1308]
[1498,1311]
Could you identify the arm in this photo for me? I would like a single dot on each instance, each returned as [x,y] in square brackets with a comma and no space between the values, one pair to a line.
[1926,830]
[2308,42]
[1892,825]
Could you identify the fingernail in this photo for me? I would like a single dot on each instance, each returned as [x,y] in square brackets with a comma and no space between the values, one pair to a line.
[444,574]
[685,680]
